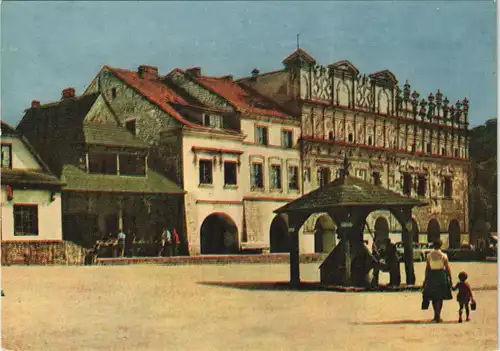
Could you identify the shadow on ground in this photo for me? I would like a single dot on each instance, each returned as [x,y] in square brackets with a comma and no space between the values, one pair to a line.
[304,286]
[404,321]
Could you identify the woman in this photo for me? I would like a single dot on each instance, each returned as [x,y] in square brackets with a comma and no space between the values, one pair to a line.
[438,281]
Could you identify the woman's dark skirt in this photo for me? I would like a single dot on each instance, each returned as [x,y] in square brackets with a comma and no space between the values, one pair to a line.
[437,286]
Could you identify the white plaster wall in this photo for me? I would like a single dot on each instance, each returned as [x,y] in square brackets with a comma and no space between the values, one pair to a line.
[21,156]
[49,214]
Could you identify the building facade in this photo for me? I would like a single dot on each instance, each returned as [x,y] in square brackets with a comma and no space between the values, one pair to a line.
[416,147]
[108,185]
[233,151]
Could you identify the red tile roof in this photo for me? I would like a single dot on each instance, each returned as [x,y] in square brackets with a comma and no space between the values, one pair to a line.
[240,96]
[158,93]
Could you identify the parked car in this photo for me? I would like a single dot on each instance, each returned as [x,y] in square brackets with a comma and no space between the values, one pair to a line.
[420,251]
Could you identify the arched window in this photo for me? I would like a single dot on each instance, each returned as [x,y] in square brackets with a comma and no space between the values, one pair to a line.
[350,138]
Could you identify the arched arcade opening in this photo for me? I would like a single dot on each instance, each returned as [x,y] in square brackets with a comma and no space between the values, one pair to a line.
[219,235]
[324,234]
[279,238]
[454,234]
[381,230]
[433,231]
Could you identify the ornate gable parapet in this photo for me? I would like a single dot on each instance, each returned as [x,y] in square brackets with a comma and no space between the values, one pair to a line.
[384,78]
[344,67]
[299,58]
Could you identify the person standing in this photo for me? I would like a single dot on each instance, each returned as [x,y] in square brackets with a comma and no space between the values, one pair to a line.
[176,242]
[438,280]
[121,242]
[464,296]
[393,263]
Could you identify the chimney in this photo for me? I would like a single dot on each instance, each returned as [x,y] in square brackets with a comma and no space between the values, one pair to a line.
[194,72]
[68,93]
[148,72]
[35,104]
[255,73]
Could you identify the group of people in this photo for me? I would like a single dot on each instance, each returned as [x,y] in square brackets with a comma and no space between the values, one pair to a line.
[169,242]
[438,282]
[438,285]
[386,260]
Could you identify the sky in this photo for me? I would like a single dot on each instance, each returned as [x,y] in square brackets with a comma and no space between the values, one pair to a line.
[47,46]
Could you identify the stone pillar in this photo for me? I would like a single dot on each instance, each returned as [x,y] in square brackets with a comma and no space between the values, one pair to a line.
[404,218]
[296,221]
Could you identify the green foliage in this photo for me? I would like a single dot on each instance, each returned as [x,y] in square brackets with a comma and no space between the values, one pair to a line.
[483,186]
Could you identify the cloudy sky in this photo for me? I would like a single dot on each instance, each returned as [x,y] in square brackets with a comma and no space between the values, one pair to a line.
[47,46]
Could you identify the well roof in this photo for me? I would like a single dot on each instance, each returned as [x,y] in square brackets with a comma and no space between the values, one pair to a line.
[348,191]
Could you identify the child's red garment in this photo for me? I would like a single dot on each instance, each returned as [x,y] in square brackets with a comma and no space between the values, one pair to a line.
[464,292]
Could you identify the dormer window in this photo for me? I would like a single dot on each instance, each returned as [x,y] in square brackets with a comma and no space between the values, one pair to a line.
[113,93]
[130,125]
[6,156]
[213,121]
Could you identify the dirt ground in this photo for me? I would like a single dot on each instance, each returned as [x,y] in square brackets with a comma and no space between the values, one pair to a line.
[155,307]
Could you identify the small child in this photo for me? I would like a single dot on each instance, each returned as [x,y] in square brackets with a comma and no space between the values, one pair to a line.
[464,296]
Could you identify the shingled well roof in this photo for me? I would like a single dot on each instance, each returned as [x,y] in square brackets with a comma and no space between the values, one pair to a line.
[348,191]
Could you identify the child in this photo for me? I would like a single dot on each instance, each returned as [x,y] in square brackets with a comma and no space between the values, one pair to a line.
[464,296]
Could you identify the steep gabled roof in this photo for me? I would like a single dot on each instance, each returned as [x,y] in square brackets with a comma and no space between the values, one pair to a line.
[344,65]
[240,96]
[158,93]
[348,191]
[7,129]
[384,75]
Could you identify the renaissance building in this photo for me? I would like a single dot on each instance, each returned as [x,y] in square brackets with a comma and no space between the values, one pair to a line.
[413,144]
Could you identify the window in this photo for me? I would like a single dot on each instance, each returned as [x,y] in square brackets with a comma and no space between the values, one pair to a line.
[370,140]
[102,163]
[130,125]
[257,176]
[205,171]
[230,173]
[429,148]
[447,187]
[350,138]
[293,178]
[286,139]
[113,93]
[330,135]
[413,147]
[323,176]
[261,135]
[275,177]
[422,185]
[6,156]
[25,220]
[443,151]
[134,165]
[407,184]
[456,153]
[307,174]
[376,178]
[213,121]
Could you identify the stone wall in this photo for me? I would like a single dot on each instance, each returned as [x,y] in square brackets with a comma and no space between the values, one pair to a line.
[42,252]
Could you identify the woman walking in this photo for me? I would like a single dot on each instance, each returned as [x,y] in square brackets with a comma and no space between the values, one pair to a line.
[438,280]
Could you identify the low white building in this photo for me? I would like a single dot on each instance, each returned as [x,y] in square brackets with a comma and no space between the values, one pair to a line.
[31,195]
